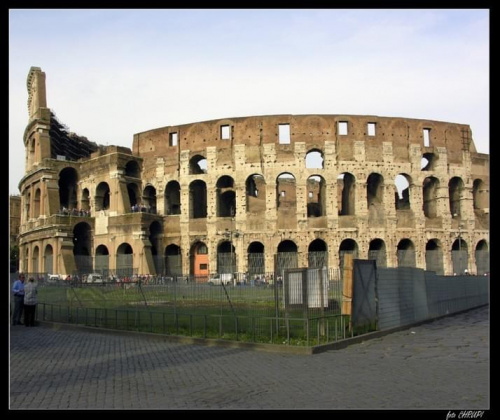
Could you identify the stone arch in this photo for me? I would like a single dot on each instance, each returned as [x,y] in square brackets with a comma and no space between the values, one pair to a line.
[173,260]
[286,191]
[406,253]
[102,197]
[459,256]
[346,183]
[377,251]
[197,199]
[36,260]
[428,161]
[402,184]
[85,200]
[149,199]
[124,260]
[314,159]
[226,197]
[455,191]
[347,246]
[482,255]
[480,194]
[199,260]
[430,197]
[317,255]
[155,237]
[256,258]
[255,194]
[82,245]
[102,260]
[48,257]
[434,256]
[226,257]
[132,169]
[316,196]
[133,194]
[37,203]
[173,198]
[68,179]
[198,165]
[287,256]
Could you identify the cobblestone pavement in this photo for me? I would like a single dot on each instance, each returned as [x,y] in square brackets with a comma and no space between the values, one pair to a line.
[440,365]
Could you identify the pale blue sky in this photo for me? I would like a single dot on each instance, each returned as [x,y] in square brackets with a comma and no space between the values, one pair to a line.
[114,73]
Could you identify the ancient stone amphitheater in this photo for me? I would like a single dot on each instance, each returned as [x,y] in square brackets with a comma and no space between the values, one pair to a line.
[253,195]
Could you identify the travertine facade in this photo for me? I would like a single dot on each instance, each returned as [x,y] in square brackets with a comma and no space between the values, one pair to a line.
[285,190]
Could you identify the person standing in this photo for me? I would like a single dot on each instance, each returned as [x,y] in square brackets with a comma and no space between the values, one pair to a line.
[18,290]
[30,301]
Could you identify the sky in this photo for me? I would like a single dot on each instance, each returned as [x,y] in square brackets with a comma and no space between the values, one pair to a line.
[111,73]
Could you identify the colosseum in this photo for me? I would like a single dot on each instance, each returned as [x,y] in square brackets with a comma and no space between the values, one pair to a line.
[252,195]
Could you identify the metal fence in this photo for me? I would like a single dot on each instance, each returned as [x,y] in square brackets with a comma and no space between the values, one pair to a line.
[249,307]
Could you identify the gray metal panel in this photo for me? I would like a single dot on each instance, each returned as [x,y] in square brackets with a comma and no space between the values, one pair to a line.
[388,298]
[364,305]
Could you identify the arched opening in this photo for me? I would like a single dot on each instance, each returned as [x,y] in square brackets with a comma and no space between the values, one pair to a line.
[430,197]
[149,199]
[68,179]
[102,260]
[27,206]
[226,197]
[173,260]
[377,251]
[286,257]
[133,195]
[348,247]
[482,258]
[124,261]
[36,258]
[132,169]
[428,162]
[26,259]
[85,202]
[346,187]
[316,196]
[375,199]
[197,200]
[82,244]
[314,159]
[459,256]
[256,194]
[256,259]
[48,262]
[285,192]
[155,237]
[226,258]
[37,203]
[197,165]
[173,198]
[317,254]
[402,193]
[455,189]
[406,253]
[480,194]
[199,260]
[102,196]
[434,257]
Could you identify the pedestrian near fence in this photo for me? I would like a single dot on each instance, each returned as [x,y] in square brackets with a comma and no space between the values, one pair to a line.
[18,290]
[30,301]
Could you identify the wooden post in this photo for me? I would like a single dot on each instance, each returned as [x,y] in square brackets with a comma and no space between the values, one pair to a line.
[347,292]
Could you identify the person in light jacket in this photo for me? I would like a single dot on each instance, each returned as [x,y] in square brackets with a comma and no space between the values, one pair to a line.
[30,301]
[18,291]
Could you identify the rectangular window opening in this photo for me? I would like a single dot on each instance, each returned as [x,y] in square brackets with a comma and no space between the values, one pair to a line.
[225,132]
[427,136]
[173,139]
[343,128]
[284,133]
[203,266]
[371,129]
